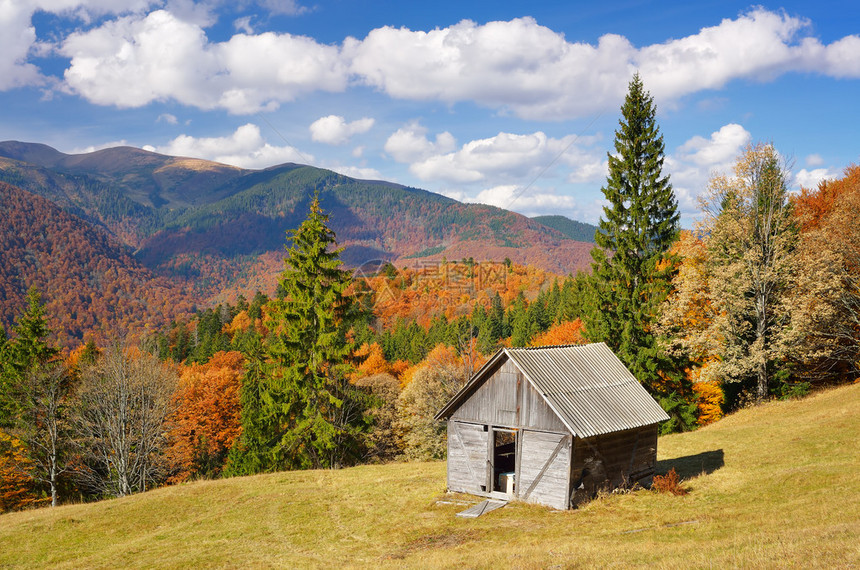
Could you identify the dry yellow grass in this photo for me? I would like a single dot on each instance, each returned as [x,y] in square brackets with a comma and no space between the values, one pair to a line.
[774,487]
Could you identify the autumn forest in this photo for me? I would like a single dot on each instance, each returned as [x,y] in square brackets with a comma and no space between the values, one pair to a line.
[164,320]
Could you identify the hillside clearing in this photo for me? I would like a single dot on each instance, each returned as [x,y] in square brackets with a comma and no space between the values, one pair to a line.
[773,486]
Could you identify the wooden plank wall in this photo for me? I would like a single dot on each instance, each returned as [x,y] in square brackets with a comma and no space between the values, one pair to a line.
[534,411]
[507,399]
[544,468]
[467,457]
[613,460]
[495,401]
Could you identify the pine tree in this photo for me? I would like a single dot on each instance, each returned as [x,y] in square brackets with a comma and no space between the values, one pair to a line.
[22,354]
[35,388]
[6,374]
[252,452]
[306,394]
[30,346]
[636,230]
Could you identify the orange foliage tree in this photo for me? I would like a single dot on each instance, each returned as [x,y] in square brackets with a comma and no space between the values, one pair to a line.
[686,318]
[826,293]
[375,363]
[565,332]
[814,206]
[206,422]
[17,488]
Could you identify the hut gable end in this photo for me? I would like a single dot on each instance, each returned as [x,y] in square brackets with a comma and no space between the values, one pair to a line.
[506,398]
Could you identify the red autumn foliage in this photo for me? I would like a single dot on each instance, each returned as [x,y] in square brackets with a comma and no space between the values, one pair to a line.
[89,282]
[669,483]
[813,206]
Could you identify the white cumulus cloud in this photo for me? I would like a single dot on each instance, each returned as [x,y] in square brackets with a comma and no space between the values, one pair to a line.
[18,35]
[527,201]
[536,73]
[516,66]
[511,157]
[811,178]
[694,162]
[410,143]
[135,60]
[814,159]
[360,172]
[245,148]
[334,129]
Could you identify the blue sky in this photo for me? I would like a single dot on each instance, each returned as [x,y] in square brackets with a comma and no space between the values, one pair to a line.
[496,102]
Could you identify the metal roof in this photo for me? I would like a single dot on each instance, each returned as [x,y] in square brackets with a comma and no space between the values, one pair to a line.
[587,387]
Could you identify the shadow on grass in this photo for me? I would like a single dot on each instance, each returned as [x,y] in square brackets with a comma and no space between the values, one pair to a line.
[692,465]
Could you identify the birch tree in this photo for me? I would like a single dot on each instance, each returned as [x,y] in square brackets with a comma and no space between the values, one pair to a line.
[42,397]
[751,239]
[123,401]
[34,394]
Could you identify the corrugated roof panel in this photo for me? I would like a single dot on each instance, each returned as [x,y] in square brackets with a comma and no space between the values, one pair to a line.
[588,387]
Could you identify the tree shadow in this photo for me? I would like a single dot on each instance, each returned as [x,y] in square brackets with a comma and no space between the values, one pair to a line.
[692,465]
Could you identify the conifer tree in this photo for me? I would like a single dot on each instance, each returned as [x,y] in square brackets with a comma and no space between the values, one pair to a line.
[30,346]
[23,353]
[34,390]
[635,232]
[252,452]
[306,396]
[6,373]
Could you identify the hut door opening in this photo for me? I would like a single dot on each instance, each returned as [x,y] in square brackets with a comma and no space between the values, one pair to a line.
[504,460]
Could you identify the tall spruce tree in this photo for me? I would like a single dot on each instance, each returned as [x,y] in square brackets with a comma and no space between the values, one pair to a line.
[636,230]
[305,396]
[30,346]
[26,351]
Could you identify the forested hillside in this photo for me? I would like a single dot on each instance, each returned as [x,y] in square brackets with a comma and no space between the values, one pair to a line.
[213,225]
[571,228]
[91,283]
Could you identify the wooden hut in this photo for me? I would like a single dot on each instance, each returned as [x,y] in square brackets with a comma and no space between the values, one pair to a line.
[551,425]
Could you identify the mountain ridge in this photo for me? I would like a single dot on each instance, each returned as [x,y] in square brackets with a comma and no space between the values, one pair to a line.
[212,228]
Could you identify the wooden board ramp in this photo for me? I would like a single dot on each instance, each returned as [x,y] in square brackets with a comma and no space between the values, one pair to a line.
[482,508]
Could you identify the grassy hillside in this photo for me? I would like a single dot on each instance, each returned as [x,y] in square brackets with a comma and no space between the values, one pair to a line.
[774,486]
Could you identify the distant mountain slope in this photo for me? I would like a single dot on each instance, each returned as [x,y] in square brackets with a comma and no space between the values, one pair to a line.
[579,231]
[89,282]
[216,226]
[151,179]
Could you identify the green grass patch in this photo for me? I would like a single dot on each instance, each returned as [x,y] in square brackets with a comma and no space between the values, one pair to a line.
[774,486]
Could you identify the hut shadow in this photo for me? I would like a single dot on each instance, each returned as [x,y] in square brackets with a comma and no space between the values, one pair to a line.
[692,465]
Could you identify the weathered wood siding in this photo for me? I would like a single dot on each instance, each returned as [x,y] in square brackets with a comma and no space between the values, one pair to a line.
[467,457]
[534,411]
[507,399]
[544,468]
[613,460]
